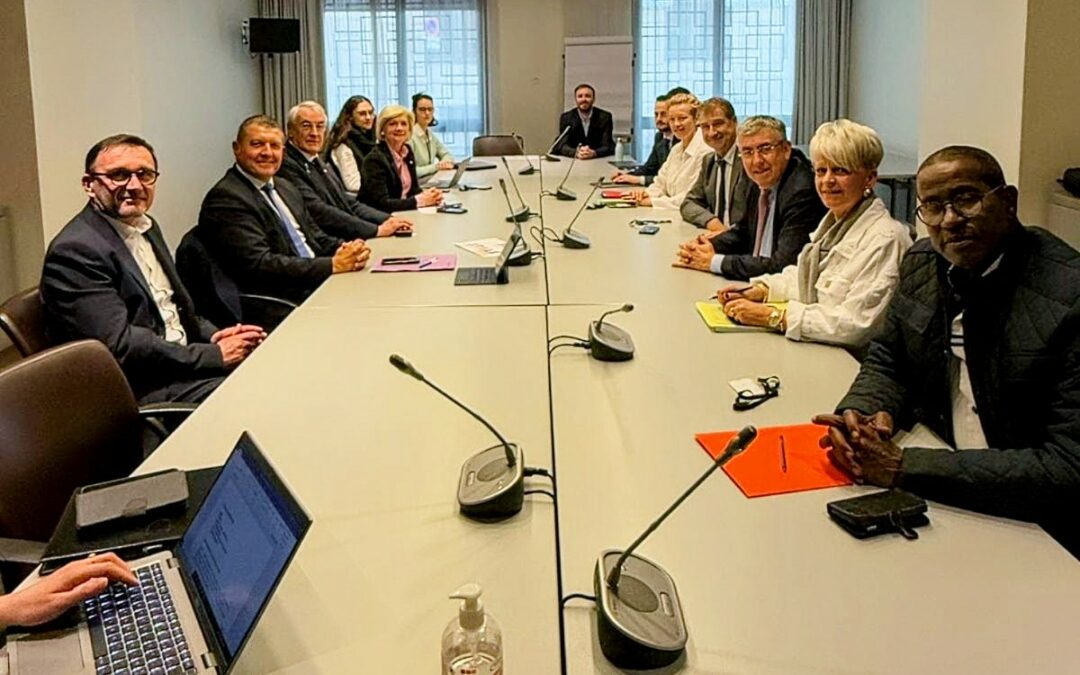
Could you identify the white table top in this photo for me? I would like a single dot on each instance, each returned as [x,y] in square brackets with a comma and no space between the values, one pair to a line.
[374,457]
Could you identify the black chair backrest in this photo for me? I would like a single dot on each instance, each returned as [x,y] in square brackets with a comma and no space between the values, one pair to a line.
[496,145]
[216,296]
[67,418]
[22,318]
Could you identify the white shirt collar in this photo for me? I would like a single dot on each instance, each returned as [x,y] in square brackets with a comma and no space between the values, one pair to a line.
[729,156]
[257,182]
[128,231]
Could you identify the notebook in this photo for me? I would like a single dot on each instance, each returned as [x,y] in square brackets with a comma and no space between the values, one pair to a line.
[199,603]
[718,322]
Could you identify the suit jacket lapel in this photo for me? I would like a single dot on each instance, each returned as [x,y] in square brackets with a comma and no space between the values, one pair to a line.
[120,249]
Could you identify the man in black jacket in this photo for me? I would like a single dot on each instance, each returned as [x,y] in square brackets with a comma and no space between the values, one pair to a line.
[332,209]
[782,209]
[258,229]
[108,276]
[591,130]
[646,173]
[982,345]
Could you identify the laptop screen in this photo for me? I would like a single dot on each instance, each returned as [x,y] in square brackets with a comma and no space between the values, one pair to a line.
[239,543]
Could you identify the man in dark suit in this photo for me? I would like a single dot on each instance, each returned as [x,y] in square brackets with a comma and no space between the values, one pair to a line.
[718,198]
[332,209]
[783,208]
[108,276]
[258,229]
[644,174]
[590,127]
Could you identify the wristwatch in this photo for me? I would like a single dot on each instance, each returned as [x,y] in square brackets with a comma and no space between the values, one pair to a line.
[775,318]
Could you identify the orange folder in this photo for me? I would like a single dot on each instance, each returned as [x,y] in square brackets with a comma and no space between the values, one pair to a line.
[759,471]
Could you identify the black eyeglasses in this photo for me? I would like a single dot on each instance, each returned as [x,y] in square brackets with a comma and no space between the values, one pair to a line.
[966,205]
[123,176]
[746,399]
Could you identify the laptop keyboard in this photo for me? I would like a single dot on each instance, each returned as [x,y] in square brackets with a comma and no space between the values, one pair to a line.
[473,276]
[135,629]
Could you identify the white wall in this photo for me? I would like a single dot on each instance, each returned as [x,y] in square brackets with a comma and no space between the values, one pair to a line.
[172,71]
[973,77]
[886,63]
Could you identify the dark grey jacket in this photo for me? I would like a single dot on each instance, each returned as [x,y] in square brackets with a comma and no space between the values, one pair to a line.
[1022,344]
[699,207]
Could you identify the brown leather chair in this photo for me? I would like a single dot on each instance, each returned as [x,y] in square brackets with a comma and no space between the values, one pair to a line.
[496,145]
[67,419]
[22,317]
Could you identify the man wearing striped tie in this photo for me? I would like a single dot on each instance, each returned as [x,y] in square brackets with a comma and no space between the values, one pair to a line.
[782,209]
[981,344]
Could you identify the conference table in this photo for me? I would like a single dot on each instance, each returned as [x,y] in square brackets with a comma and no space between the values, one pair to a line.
[768,585]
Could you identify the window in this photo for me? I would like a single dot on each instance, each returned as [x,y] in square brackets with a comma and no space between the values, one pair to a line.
[389,50]
[743,50]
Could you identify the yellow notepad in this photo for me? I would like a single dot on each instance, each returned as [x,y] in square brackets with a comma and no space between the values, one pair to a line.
[718,322]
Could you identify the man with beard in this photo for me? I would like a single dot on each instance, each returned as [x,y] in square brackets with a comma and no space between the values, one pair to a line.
[108,276]
[590,127]
[646,173]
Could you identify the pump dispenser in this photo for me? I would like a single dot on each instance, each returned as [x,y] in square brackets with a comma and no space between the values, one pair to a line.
[472,643]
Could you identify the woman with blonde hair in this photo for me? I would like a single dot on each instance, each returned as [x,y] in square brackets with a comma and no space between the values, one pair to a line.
[683,164]
[388,175]
[838,289]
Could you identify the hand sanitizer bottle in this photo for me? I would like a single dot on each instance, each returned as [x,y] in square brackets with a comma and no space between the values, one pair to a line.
[472,643]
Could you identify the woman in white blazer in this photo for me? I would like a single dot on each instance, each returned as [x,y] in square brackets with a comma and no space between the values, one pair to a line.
[838,289]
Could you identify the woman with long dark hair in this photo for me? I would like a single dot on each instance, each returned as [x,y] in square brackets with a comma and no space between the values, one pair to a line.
[351,138]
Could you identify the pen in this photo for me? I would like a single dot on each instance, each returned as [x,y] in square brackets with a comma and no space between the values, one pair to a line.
[426,263]
[783,454]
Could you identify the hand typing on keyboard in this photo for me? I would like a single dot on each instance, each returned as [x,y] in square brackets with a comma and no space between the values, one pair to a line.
[53,595]
[135,629]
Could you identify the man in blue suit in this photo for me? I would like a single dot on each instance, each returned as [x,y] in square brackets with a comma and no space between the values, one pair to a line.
[108,276]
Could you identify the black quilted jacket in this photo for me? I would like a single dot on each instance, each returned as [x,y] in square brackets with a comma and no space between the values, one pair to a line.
[1022,342]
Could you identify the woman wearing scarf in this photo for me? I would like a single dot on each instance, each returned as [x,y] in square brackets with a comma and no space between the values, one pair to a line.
[351,138]
[838,289]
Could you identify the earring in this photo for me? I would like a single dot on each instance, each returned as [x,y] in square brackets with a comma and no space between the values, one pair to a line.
[867,192]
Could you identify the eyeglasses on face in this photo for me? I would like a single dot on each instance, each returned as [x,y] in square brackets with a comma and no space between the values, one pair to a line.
[765,150]
[123,176]
[965,205]
[308,126]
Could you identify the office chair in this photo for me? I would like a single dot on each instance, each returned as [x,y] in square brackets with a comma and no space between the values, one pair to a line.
[22,318]
[216,296]
[496,145]
[67,418]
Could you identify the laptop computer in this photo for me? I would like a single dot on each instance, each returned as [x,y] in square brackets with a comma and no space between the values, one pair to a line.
[194,607]
[447,185]
[486,276]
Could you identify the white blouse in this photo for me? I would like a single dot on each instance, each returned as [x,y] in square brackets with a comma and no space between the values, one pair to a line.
[678,173]
[343,158]
[857,278]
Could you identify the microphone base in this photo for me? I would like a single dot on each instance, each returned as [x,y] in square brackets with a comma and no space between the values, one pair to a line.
[610,343]
[519,216]
[489,489]
[551,158]
[564,195]
[640,624]
[527,171]
[521,256]
[575,240]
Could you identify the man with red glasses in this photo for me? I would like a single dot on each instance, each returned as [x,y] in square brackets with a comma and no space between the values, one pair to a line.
[108,276]
[981,344]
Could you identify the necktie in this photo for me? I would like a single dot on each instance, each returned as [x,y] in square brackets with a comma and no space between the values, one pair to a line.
[290,231]
[762,216]
[721,190]
[335,190]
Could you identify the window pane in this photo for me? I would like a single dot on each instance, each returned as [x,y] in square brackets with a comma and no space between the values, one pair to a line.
[389,50]
[743,50]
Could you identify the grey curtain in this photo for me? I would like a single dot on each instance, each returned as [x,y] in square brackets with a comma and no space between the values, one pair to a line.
[822,58]
[288,79]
